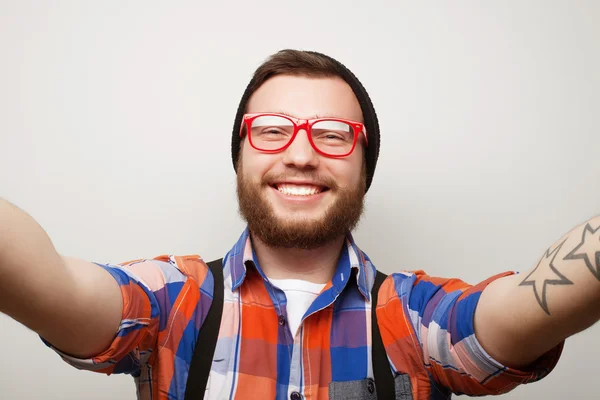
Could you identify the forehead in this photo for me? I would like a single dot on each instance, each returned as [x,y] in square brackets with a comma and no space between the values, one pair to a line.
[306,98]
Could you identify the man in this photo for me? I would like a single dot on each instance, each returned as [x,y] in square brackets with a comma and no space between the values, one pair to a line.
[296,319]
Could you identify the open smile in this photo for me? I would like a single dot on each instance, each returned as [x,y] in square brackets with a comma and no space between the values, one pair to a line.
[299,189]
[299,193]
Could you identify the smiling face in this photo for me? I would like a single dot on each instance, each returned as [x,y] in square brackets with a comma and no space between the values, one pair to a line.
[298,198]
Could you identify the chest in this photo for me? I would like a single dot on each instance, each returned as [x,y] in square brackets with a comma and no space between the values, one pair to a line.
[329,356]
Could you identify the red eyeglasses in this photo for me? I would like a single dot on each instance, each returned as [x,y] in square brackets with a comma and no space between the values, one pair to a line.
[331,137]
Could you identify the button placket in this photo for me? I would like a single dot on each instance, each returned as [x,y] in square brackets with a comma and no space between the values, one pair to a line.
[275,294]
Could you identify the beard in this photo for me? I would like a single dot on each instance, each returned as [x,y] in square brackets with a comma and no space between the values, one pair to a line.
[340,218]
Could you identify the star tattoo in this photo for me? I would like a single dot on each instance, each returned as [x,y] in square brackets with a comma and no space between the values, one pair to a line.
[587,250]
[544,274]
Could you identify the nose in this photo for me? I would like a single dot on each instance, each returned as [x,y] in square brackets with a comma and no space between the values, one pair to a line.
[300,153]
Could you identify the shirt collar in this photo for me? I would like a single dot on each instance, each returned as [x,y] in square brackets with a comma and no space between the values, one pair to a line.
[352,261]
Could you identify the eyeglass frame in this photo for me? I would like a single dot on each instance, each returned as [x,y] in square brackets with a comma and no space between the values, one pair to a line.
[305,124]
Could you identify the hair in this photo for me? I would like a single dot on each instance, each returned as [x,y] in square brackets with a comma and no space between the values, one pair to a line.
[294,62]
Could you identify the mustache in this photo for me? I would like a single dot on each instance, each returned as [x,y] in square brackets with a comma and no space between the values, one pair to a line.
[270,177]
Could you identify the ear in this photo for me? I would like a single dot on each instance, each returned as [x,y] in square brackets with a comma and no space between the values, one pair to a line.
[240,156]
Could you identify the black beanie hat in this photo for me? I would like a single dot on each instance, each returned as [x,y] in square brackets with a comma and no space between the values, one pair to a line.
[368,111]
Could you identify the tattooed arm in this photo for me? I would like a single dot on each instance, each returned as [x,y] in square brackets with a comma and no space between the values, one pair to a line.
[520,317]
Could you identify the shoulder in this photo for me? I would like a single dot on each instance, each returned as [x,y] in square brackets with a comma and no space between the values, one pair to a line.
[418,286]
[420,291]
[164,270]
[397,284]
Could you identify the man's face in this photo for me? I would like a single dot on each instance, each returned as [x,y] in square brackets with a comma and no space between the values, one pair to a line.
[298,198]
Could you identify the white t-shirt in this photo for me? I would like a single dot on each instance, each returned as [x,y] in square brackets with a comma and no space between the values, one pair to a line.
[300,295]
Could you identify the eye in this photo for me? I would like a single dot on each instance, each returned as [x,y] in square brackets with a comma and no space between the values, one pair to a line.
[329,136]
[333,136]
[272,131]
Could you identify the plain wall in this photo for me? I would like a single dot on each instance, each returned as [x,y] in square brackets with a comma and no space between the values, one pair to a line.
[116,116]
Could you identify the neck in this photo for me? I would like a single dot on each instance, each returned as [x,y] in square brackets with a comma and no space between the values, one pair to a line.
[315,265]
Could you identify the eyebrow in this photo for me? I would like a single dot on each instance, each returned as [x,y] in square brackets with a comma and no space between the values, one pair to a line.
[318,116]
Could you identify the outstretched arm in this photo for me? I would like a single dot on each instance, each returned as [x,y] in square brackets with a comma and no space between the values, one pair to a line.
[520,317]
[74,304]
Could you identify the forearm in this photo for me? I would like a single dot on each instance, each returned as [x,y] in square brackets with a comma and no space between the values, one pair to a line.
[72,303]
[28,263]
[522,316]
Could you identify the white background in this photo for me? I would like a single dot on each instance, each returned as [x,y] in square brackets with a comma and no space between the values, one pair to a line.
[116,116]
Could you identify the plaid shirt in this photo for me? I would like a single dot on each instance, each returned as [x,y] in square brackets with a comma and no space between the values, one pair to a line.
[425,323]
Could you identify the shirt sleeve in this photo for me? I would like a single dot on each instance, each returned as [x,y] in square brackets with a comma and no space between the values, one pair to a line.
[442,312]
[149,288]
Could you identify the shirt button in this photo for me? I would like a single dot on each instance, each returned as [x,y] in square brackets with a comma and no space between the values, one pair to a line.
[295,396]
[281,320]
[371,385]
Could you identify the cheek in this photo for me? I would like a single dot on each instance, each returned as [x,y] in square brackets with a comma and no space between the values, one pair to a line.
[255,165]
[348,173]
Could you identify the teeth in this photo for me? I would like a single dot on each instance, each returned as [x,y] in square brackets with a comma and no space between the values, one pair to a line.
[298,190]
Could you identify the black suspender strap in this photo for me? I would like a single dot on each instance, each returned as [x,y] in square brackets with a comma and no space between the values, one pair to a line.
[207,338]
[384,380]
